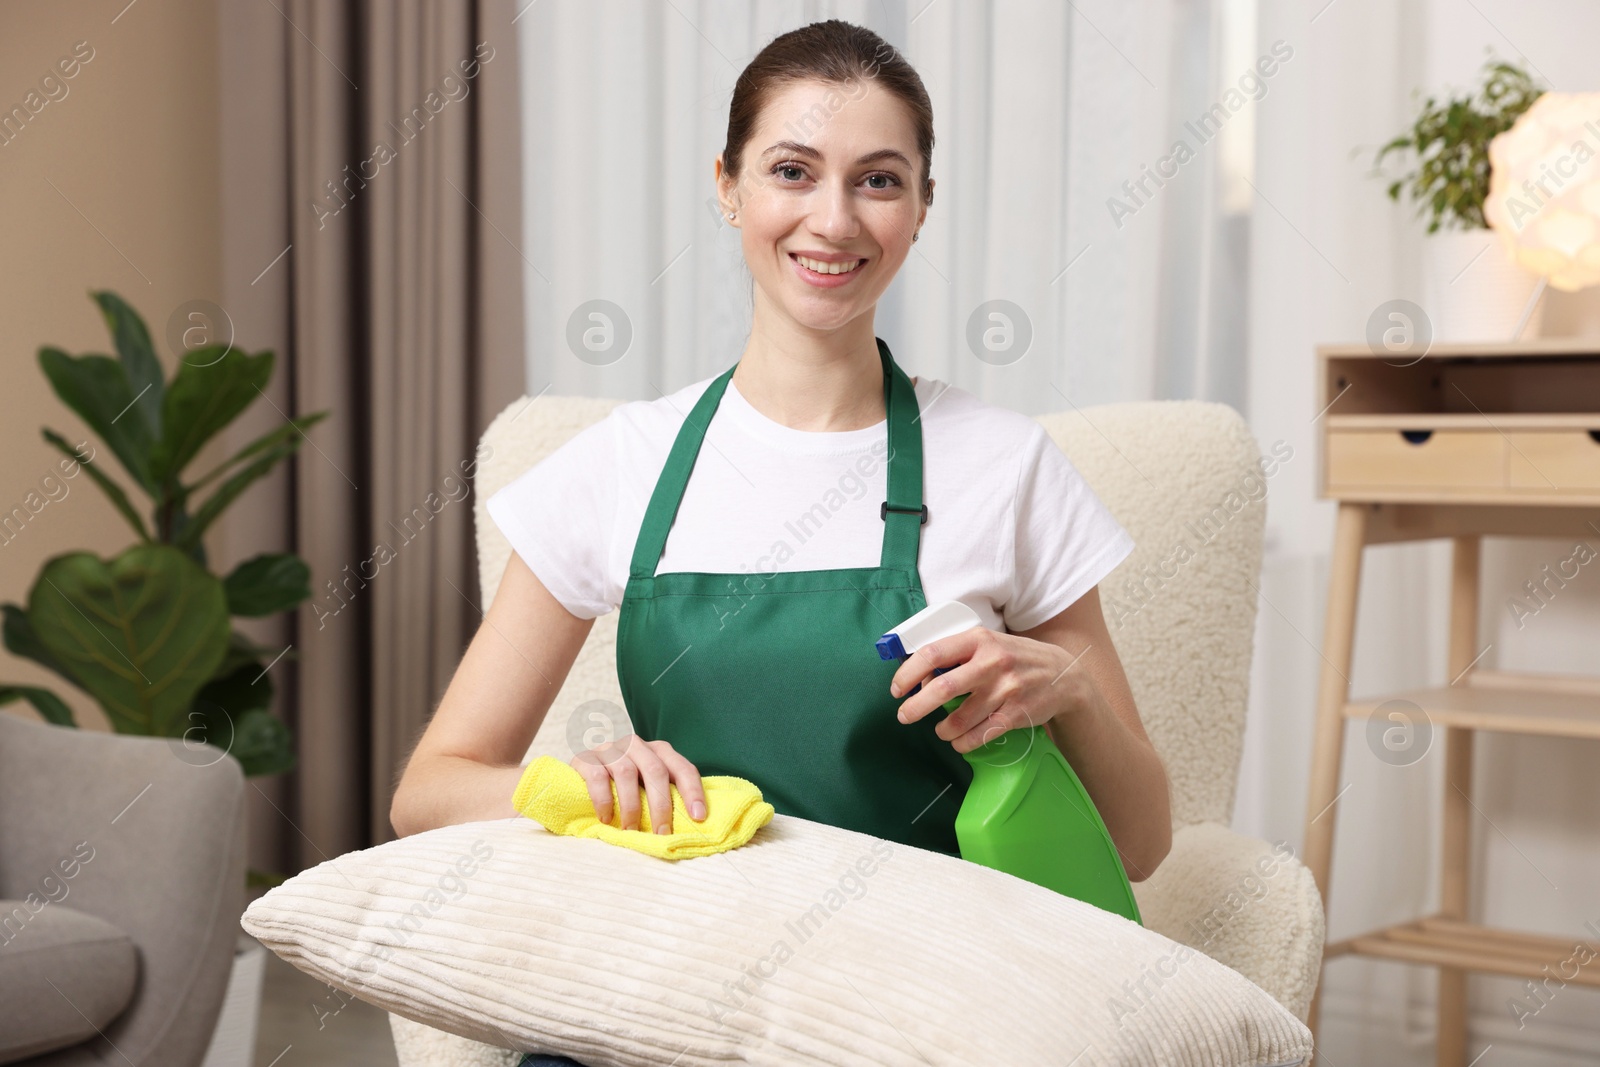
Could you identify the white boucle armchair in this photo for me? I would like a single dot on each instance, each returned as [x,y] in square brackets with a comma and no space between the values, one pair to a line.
[1184,478]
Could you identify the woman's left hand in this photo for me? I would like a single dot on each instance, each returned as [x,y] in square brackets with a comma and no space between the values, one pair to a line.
[1013,681]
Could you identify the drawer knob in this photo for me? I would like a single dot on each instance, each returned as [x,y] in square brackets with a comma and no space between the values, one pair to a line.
[1416,437]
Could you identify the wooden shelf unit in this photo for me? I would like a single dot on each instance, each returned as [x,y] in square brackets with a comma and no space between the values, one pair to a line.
[1476,705]
[1445,942]
[1464,442]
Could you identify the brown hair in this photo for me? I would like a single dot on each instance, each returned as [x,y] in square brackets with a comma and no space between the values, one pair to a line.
[832,51]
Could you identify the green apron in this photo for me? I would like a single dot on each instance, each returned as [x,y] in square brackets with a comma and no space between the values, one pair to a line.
[776,678]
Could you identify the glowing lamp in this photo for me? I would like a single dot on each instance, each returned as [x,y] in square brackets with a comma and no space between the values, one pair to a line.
[1544,190]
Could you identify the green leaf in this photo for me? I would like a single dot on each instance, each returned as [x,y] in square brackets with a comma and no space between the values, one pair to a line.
[267,584]
[119,497]
[293,428]
[22,640]
[139,360]
[142,632]
[230,489]
[96,387]
[245,688]
[232,710]
[255,737]
[46,703]
[255,879]
[263,745]
[212,386]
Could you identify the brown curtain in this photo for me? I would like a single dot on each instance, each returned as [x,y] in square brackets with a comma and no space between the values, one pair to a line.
[373,148]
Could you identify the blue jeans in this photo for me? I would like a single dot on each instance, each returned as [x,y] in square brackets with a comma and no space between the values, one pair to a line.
[539,1059]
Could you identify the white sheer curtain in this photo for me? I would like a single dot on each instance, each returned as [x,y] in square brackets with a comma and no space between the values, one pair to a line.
[1042,111]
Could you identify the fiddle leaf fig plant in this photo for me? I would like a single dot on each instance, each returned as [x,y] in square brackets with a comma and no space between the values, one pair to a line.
[149,633]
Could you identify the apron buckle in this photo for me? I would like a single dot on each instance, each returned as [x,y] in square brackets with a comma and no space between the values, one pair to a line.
[883,512]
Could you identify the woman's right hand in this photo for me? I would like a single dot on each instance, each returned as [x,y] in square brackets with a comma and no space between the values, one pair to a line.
[628,760]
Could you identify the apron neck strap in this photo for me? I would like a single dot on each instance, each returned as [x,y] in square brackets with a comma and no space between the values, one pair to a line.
[902,512]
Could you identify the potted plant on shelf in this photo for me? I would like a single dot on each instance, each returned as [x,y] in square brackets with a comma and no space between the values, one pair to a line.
[1473,289]
[213,700]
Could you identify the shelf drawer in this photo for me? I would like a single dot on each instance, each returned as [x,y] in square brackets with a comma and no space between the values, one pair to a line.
[1387,459]
[1554,460]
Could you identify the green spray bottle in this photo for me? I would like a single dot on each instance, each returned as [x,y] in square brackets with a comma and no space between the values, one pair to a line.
[1025,812]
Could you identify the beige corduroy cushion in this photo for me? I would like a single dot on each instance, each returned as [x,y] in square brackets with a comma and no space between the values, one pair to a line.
[810,945]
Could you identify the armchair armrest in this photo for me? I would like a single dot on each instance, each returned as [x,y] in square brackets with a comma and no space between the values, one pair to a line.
[1244,903]
[153,836]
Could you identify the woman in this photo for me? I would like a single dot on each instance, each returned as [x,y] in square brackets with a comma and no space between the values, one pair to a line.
[837,498]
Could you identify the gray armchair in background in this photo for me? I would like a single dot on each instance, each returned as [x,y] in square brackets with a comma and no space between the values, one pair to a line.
[122,869]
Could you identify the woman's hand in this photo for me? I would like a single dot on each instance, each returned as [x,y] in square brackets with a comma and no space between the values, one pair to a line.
[627,760]
[1013,681]
[1064,674]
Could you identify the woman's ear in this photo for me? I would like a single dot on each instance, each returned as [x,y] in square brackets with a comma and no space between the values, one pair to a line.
[725,187]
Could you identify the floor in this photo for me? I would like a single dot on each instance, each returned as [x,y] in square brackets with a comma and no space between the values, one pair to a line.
[1348,1039]
[305,1023]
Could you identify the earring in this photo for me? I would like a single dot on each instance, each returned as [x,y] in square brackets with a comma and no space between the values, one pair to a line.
[731,214]
[916,235]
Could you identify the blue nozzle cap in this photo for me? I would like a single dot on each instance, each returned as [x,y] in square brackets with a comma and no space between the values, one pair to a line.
[889,647]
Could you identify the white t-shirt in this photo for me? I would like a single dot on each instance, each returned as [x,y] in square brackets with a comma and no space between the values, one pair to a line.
[1013,530]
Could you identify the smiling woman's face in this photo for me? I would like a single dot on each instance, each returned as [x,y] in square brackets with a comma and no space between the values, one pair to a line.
[830,177]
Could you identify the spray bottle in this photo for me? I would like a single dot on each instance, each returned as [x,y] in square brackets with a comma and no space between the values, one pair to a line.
[1025,812]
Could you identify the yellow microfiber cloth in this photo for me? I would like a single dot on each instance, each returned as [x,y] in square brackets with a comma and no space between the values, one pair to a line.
[555,795]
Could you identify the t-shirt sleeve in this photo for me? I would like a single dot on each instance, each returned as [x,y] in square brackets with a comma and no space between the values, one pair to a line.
[559,515]
[1064,539]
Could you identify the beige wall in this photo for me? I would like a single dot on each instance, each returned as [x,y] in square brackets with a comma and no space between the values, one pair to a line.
[132,146]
